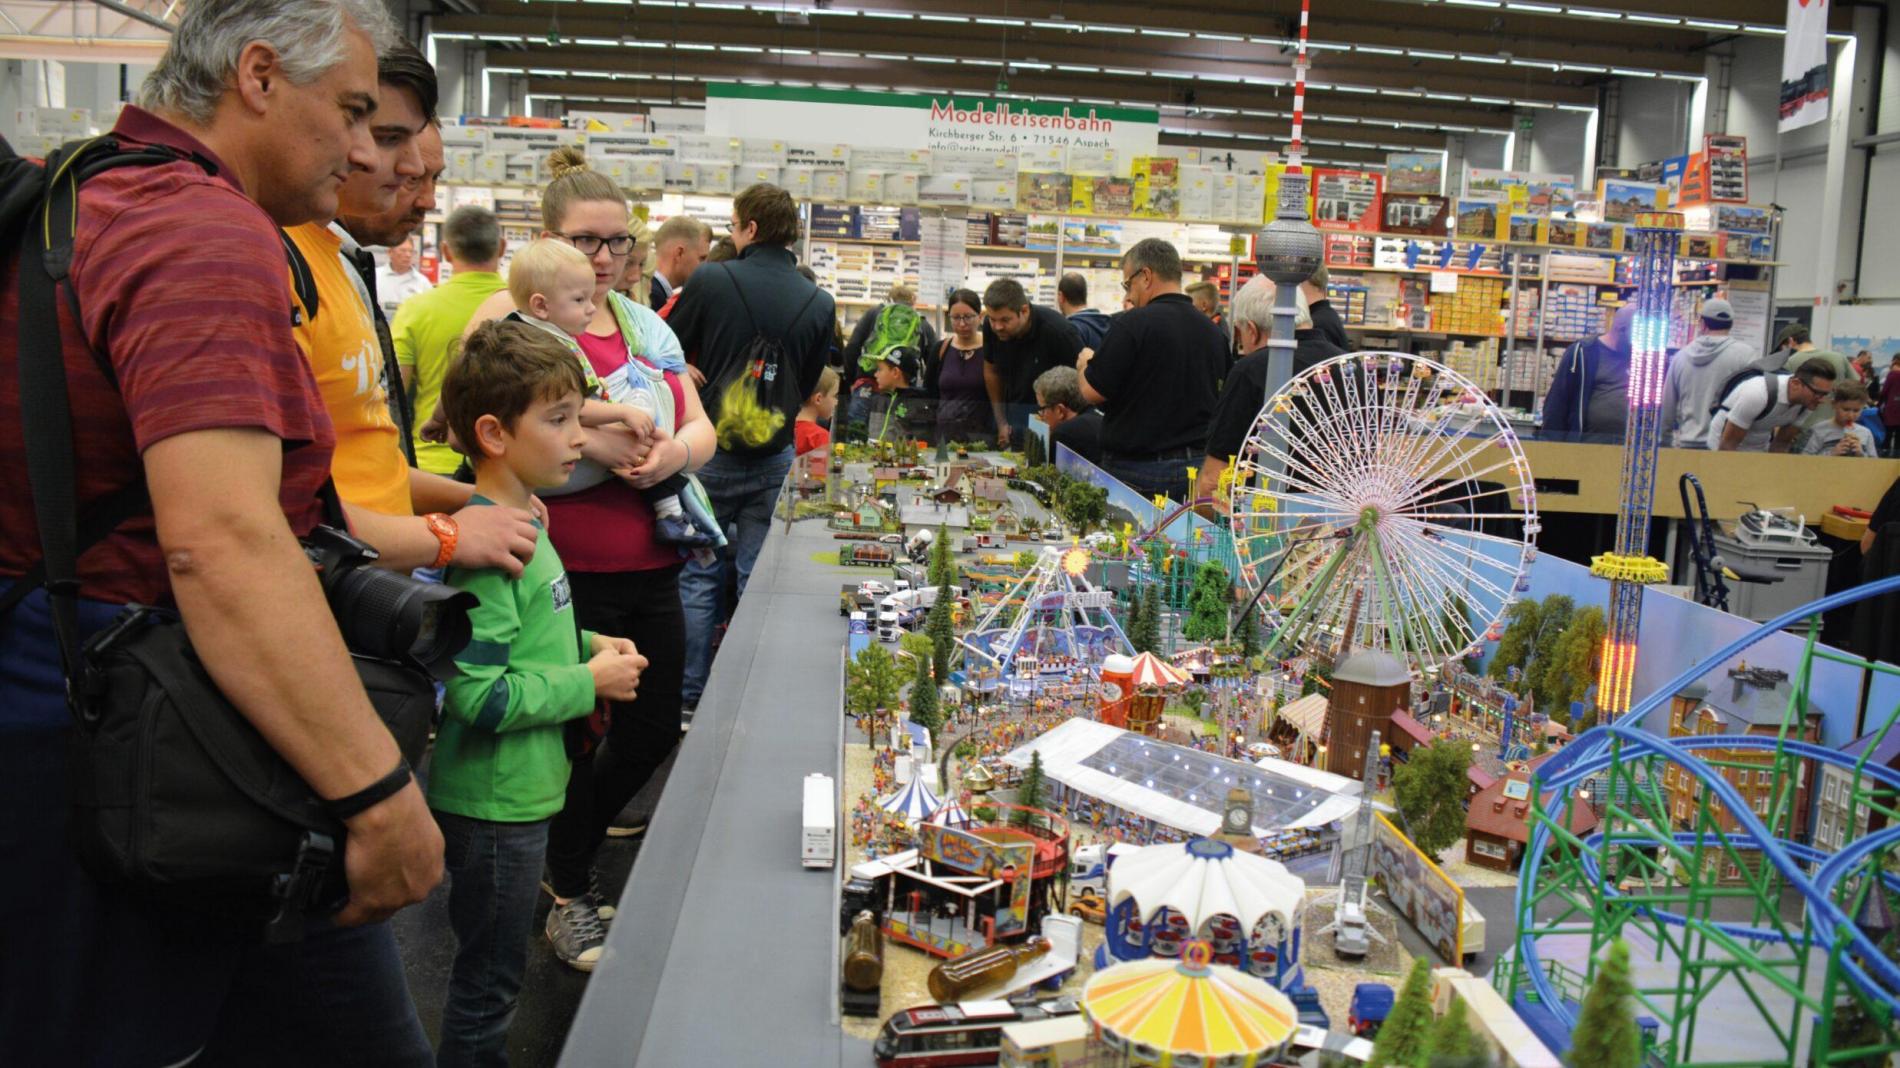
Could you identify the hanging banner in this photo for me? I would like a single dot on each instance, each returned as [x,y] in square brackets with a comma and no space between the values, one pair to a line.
[917,121]
[941,257]
[1804,65]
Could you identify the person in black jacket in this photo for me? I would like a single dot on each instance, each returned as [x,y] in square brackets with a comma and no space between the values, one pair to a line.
[1245,391]
[725,319]
[1326,318]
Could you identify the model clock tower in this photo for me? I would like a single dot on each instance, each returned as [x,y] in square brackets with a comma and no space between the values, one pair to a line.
[1236,823]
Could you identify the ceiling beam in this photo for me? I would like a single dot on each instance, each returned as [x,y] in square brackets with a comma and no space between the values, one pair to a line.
[1434,55]
[1271,105]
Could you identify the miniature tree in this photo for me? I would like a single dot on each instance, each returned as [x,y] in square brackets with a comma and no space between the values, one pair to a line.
[1453,1038]
[1249,634]
[1514,648]
[915,644]
[942,632]
[1550,632]
[1430,790]
[1207,604]
[1405,1038]
[1147,639]
[1025,560]
[872,683]
[1033,785]
[925,711]
[943,573]
[1574,666]
[1131,619]
[1083,505]
[1606,1034]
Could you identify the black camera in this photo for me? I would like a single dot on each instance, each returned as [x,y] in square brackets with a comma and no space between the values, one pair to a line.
[385,615]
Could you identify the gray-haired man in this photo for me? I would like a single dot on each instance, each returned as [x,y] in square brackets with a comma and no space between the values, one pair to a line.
[179,276]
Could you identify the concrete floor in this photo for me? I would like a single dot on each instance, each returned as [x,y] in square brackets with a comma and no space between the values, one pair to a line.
[551,991]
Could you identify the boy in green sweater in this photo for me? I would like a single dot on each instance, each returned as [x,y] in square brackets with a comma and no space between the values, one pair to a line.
[500,768]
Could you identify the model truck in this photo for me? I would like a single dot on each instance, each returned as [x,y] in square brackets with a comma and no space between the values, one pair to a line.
[820,838]
[1371,1004]
[864,554]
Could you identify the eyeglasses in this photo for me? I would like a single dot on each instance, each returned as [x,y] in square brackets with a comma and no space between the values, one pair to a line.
[1130,280]
[589,244]
[963,318]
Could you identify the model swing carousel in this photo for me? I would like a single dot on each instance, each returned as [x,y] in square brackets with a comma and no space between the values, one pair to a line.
[1166,1011]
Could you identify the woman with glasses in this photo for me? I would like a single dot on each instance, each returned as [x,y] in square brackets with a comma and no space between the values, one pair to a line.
[963,402]
[624,580]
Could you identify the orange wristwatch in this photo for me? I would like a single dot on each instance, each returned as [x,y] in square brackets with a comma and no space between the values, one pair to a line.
[445,531]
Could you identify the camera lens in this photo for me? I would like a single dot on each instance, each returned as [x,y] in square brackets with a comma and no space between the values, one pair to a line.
[390,615]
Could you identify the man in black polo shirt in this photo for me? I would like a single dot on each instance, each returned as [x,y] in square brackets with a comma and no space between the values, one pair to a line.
[1156,377]
[1020,341]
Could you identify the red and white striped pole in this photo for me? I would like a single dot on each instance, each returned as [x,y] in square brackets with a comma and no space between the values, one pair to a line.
[1299,91]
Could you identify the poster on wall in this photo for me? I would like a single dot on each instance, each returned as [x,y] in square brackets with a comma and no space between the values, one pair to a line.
[1415,173]
[1727,156]
[941,263]
[1345,200]
[1804,87]
[1623,199]
[1527,191]
[1754,309]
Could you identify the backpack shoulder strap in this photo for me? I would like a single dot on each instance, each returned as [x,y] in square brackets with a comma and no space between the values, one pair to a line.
[302,282]
[739,291]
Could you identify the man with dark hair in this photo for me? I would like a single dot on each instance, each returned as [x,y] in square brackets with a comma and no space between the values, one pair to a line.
[183,373]
[428,328]
[1072,300]
[679,247]
[413,518]
[1071,421]
[1764,411]
[1020,341]
[728,316]
[1156,377]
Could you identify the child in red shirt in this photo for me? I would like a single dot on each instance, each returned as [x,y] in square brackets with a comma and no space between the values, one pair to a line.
[809,431]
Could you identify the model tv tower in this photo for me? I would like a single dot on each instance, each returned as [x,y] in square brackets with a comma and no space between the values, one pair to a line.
[1288,251]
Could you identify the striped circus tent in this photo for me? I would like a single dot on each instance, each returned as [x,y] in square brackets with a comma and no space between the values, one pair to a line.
[914,802]
[1189,1006]
[1153,672]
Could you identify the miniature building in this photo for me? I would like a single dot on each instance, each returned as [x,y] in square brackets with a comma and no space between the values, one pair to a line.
[1756,701]
[1368,687]
[884,477]
[1834,805]
[989,494]
[1497,827]
[1407,734]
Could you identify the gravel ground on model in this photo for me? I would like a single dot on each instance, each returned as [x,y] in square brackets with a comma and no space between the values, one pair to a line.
[1334,978]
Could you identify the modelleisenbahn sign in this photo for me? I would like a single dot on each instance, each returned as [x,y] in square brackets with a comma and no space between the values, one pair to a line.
[922,121]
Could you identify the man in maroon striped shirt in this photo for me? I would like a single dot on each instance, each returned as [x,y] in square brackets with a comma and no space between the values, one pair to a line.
[180,284]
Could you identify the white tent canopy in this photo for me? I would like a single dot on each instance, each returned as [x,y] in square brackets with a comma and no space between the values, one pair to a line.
[1202,879]
[1282,801]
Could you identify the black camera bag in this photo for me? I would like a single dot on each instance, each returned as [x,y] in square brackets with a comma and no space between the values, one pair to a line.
[175,794]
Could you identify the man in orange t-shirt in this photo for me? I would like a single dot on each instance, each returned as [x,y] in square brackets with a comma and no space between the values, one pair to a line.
[413,518]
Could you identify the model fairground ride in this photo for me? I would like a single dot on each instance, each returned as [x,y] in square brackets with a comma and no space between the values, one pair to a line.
[1051,623]
[975,878]
[1249,910]
[1769,912]
[1185,1011]
[1388,486]
[1136,689]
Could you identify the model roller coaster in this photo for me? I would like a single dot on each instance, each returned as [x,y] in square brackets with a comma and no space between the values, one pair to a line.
[1781,951]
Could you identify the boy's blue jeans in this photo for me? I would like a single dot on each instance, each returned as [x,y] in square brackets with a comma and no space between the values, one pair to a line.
[494,872]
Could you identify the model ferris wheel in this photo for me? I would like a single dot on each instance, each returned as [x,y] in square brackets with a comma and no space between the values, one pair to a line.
[1374,495]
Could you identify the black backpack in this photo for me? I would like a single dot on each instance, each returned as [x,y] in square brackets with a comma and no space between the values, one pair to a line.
[752,400]
[1754,370]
